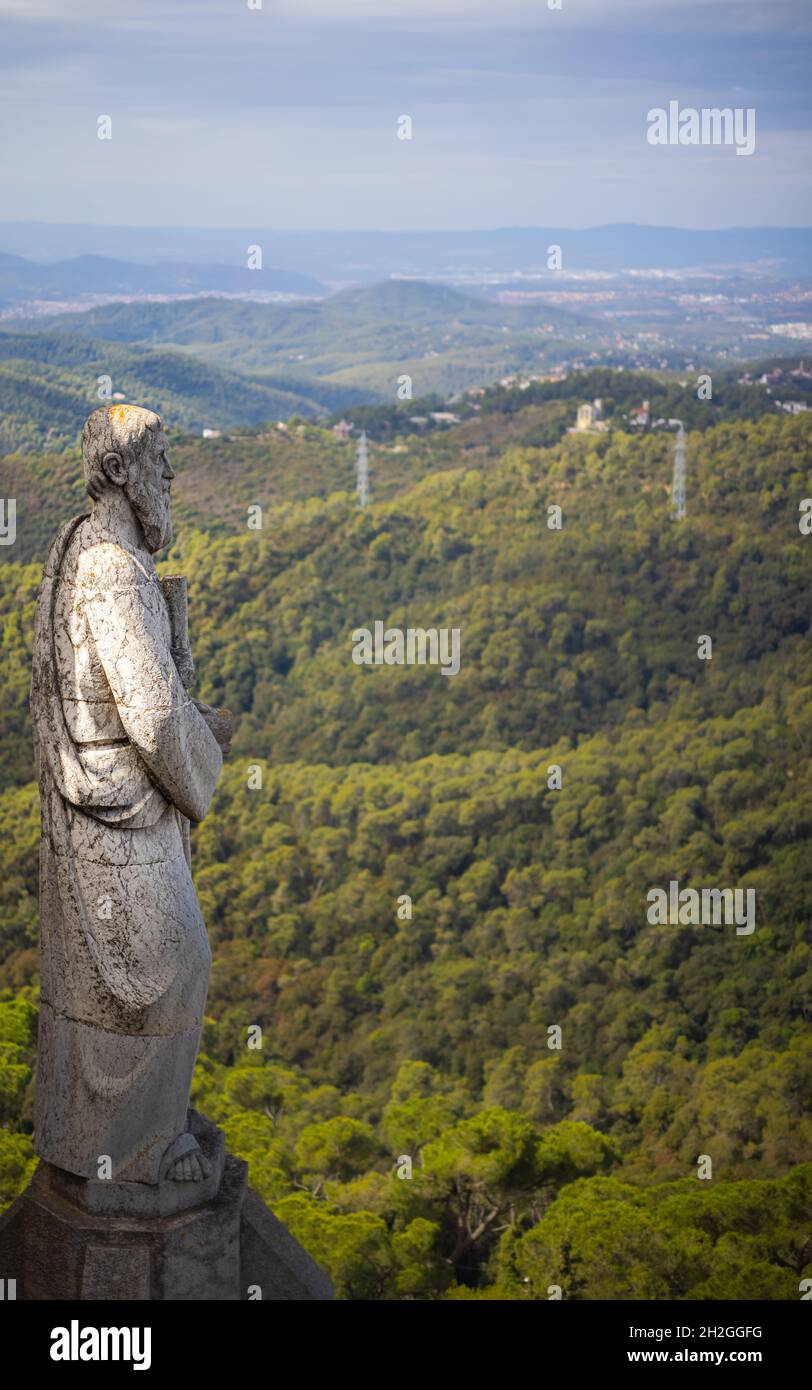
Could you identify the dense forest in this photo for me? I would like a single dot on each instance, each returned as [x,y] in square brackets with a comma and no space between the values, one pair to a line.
[483,1074]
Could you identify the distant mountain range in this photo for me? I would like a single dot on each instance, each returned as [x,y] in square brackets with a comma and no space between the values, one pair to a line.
[223,362]
[364,256]
[23,280]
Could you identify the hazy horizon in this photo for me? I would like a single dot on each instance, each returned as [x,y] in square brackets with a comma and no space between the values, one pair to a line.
[496,227]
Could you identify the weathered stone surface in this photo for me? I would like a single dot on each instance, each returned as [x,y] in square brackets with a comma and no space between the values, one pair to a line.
[229,1249]
[136,1199]
[272,1262]
[115,1273]
[124,757]
[165,1198]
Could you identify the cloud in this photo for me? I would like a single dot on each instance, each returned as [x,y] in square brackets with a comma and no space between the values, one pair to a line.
[721,16]
[103,11]
[287,116]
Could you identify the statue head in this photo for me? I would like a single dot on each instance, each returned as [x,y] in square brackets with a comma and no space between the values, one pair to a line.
[124,447]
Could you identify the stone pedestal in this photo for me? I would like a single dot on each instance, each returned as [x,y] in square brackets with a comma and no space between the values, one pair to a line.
[66,1238]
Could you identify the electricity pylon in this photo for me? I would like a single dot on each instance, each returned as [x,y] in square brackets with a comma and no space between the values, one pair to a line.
[678,484]
[362,471]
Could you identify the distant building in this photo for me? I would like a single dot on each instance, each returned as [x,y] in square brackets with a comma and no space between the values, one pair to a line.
[444,417]
[211,434]
[642,416]
[791,330]
[342,430]
[588,419]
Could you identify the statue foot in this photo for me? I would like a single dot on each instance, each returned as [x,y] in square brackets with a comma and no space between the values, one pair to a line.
[191,1167]
[184,1161]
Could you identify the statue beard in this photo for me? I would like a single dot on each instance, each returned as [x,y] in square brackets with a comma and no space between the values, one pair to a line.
[154,515]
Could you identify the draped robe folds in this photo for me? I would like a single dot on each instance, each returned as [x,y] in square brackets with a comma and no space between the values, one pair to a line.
[122,753]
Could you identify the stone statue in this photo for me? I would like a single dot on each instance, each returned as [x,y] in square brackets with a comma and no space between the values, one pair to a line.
[136,1197]
[125,759]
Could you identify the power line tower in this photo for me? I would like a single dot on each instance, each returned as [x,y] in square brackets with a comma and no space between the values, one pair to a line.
[362,471]
[678,485]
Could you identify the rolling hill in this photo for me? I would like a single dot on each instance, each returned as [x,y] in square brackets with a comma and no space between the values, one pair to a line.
[218,479]
[365,338]
[49,383]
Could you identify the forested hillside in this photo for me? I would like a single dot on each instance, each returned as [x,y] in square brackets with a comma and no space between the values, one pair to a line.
[50,382]
[363,336]
[271,462]
[483,1073]
[542,409]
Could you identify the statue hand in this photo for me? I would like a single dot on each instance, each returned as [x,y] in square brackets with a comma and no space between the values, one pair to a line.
[219,723]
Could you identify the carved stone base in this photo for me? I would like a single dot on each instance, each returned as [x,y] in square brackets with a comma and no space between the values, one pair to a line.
[67,1239]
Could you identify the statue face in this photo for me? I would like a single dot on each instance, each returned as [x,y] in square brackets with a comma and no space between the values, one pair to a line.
[148,489]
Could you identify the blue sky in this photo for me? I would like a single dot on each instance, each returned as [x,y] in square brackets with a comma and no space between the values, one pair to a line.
[287,116]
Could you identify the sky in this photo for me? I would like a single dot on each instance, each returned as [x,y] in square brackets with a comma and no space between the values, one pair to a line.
[287,115]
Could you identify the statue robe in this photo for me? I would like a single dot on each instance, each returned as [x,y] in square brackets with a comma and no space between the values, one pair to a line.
[122,753]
